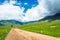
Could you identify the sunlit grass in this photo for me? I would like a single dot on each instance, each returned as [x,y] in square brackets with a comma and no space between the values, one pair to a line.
[43,27]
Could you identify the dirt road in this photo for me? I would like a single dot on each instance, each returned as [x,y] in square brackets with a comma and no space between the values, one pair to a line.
[17,34]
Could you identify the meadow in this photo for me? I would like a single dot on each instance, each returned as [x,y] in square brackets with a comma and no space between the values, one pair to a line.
[43,27]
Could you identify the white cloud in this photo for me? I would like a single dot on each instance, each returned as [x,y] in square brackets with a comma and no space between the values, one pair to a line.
[45,8]
[36,13]
[8,11]
[25,3]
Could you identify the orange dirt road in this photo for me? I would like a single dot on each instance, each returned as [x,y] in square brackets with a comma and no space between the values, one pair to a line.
[17,34]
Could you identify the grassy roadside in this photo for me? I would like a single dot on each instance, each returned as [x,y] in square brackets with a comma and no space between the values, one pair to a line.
[43,27]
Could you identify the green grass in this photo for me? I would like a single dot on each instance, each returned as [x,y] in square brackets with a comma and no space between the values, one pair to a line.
[43,27]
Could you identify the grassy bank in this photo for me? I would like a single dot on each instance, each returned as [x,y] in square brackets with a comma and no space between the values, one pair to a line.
[43,27]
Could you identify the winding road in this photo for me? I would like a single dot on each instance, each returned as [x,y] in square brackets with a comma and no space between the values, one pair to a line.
[17,34]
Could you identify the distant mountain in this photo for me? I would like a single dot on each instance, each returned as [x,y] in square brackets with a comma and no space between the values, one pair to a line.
[11,22]
[3,22]
[52,18]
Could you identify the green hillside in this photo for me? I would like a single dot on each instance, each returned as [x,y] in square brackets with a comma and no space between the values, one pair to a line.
[43,27]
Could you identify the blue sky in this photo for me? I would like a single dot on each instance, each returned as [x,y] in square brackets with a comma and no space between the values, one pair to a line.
[21,10]
[27,4]
[27,10]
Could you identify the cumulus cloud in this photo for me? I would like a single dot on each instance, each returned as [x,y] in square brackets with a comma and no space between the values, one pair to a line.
[45,8]
[10,12]
[36,13]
